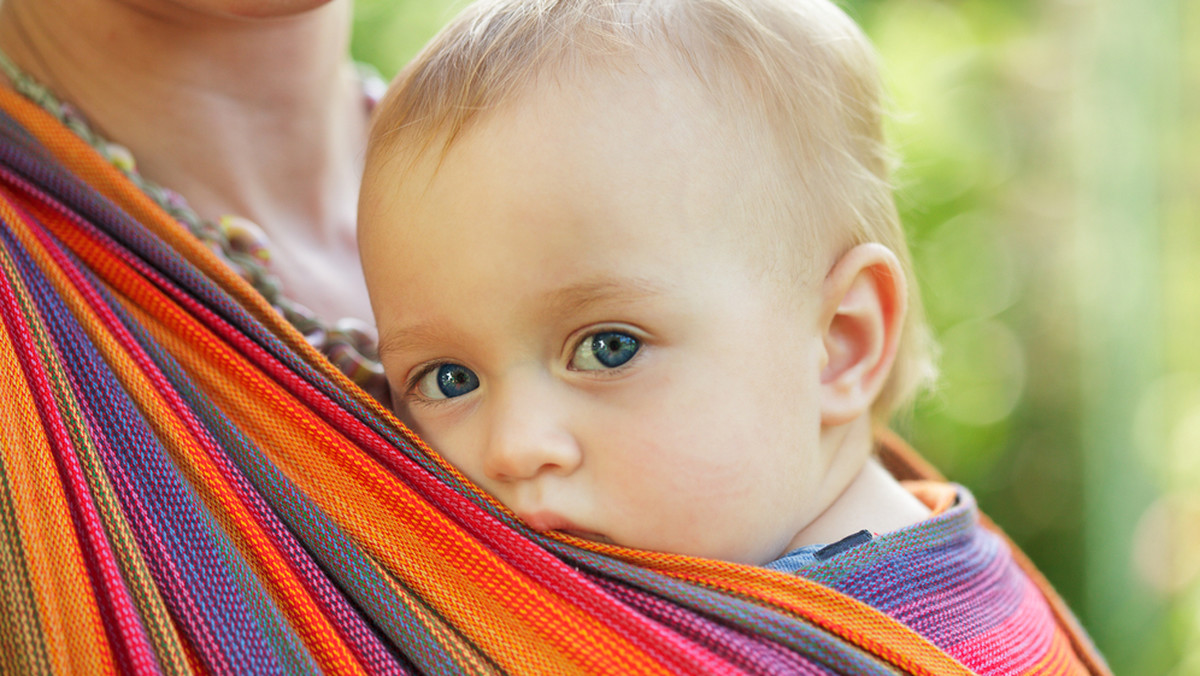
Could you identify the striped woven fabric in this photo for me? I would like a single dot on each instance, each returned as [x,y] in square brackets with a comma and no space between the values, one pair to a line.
[950,566]
[186,486]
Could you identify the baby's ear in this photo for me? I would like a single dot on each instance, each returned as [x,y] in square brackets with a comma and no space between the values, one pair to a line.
[863,300]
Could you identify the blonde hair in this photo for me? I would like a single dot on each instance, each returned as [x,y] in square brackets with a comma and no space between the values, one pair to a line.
[801,66]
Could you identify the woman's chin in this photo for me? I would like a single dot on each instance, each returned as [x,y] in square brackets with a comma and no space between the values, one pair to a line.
[252,9]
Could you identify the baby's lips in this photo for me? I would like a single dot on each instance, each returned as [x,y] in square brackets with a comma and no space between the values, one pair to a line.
[547,521]
[543,521]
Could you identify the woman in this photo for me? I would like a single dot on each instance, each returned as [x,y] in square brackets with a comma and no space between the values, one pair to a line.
[186,485]
[279,144]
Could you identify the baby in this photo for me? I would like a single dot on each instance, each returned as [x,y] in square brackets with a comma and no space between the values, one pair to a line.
[638,272]
[645,282]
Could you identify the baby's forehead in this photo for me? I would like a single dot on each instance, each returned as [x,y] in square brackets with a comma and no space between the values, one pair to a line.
[795,71]
[726,133]
[653,133]
[656,82]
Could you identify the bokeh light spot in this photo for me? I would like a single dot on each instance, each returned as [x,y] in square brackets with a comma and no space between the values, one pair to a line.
[983,368]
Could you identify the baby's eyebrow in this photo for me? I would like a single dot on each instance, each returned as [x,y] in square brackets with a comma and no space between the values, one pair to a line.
[405,338]
[562,302]
[577,297]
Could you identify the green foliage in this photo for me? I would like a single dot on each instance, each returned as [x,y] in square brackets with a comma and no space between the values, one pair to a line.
[387,33]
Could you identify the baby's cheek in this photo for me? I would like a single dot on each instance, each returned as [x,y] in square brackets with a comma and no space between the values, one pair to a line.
[693,467]
[451,443]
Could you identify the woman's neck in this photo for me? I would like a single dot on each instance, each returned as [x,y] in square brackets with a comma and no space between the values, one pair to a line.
[262,118]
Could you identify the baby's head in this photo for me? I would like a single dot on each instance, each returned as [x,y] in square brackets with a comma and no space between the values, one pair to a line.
[636,265]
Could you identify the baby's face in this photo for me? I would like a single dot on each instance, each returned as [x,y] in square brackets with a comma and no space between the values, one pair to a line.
[570,314]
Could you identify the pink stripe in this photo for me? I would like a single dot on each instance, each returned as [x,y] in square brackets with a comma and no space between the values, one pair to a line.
[992,591]
[131,645]
[334,606]
[1014,646]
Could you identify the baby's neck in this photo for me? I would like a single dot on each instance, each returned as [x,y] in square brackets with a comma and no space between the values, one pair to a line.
[873,501]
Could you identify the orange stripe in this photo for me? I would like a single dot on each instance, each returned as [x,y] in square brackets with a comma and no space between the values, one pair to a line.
[1059,659]
[72,629]
[290,593]
[854,621]
[163,631]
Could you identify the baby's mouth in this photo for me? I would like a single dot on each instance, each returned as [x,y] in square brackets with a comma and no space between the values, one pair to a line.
[547,521]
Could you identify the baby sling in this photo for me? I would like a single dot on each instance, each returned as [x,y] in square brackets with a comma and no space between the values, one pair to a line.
[186,486]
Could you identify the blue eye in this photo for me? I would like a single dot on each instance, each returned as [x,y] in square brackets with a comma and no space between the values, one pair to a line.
[604,350]
[447,381]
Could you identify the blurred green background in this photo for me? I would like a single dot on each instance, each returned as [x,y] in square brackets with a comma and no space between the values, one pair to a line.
[1049,187]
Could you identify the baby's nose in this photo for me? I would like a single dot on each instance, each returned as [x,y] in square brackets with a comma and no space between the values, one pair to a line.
[529,436]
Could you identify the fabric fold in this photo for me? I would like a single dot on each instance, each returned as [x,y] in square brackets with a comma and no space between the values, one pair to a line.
[187,486]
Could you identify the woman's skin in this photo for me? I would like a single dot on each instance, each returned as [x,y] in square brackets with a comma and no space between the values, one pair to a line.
[246,107]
